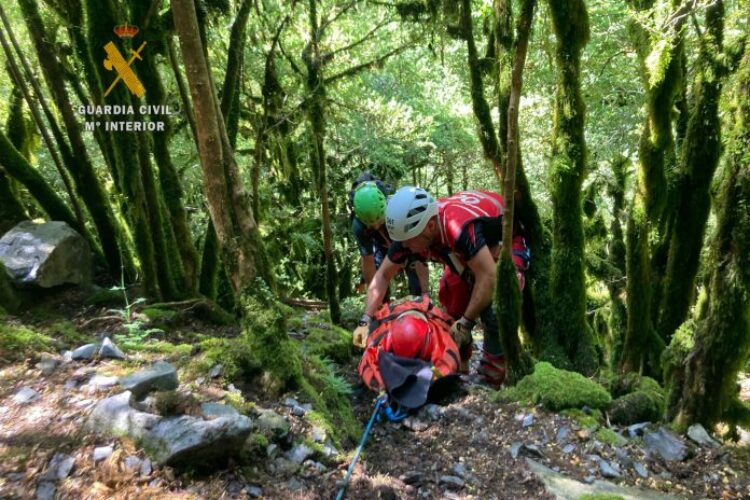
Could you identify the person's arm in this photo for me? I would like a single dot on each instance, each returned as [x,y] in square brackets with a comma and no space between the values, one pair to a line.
[379,284]
[368,267]
[423,274]
[483,266]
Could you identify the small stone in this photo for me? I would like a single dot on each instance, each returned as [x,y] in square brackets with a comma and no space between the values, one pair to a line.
[291,402]
[608,470]
[532,450]
[589,479]
[313,466]
[67,357]
[272,450]
[59,467]
[515,449]
[640,469]
[254,491]
[698,433]
[414,424]
[668,445]
[318,434]
[84,352]
[568,448]
[45,491]
[48,364]
[298,411]
[637,429]
[272,424]
[102,453]
[562,434]
[155,483]
[98,382]
[412,477]
[233,388]
[459,470]
[452,482]
[623,457]
[110,350]
[215,371]
[299,453]
[433,411]
[25,396]
[295,484]
[586,410]
[584,434]
[133,463]
[146,468]
[216,410]
[160,376]
[70,384]
[528,420]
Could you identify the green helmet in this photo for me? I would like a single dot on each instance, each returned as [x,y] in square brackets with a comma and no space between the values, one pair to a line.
[369,203]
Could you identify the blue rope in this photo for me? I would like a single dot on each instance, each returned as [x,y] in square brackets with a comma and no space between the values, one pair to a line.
[361,446]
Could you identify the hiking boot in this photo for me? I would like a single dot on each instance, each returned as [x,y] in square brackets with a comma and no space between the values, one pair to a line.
[492,369]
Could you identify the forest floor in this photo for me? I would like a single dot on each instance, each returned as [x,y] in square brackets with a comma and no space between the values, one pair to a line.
[464,447]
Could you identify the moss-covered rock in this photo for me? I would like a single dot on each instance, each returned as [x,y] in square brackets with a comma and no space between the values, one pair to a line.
[159,316]
[556,390]
[610,437]
[329,341]
[638,406]
[18,342]
[235,355]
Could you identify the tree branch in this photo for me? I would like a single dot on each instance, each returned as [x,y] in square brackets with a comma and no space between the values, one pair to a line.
[329,55]
[325,23]
[361,67]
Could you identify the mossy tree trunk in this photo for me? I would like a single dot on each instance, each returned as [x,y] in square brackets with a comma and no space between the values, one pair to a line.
[722,332]
[568,169]
[316,114]
[79,165]
[508,303]
[700,156]
[9,301]
[616,259]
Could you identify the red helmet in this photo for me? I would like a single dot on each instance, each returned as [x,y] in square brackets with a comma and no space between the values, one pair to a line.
[409,337]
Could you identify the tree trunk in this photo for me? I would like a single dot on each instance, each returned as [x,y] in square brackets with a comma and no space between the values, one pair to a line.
[700,156]
[9,301]
[232,217]
[570,22]
[508,302]
[316,114]
[81,168]
[722,333]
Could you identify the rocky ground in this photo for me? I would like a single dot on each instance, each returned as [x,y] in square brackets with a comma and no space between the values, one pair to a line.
[464,447]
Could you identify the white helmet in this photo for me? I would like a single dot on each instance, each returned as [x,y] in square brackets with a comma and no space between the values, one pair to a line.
[408,212]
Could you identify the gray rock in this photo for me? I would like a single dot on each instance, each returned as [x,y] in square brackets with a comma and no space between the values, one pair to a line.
[190,440]
[459,470]
[110,350]
[298,411]
[102,453]
[698,433]
[98,382]
[314,467]
[133,463]
[318,434]
[146,468]
[272,424]
[666,444]
[568,448]
[272,450]
[640,469]
[562,435]
[84,352]
[284,467]
[59,467]
[48,364]
[67,357]
[254,491]
[414,424]
[161,376]
[46,254]
[637,429]
[306,406]
[623,457]
[609,470]
[15,477]
[299,453]
[70,384]
[45,491]
[433,411]
[215,371]
[216,410]
[114,417]
[329,450]
[412,477]
[291,402]
[564,487]
[295,484]
[529,450]
[25,395]
[452,482]
[528,420]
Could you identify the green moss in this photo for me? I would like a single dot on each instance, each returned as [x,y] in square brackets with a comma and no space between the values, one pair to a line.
[105,297]
[158,315]
[17,342]
[585,420]
[638,406]
[66,332]
[609,436]
[329,341]
[556,389]
[237,401]
[235,355]
[162,347]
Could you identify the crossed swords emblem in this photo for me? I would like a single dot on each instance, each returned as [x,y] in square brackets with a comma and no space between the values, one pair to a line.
[116,61]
